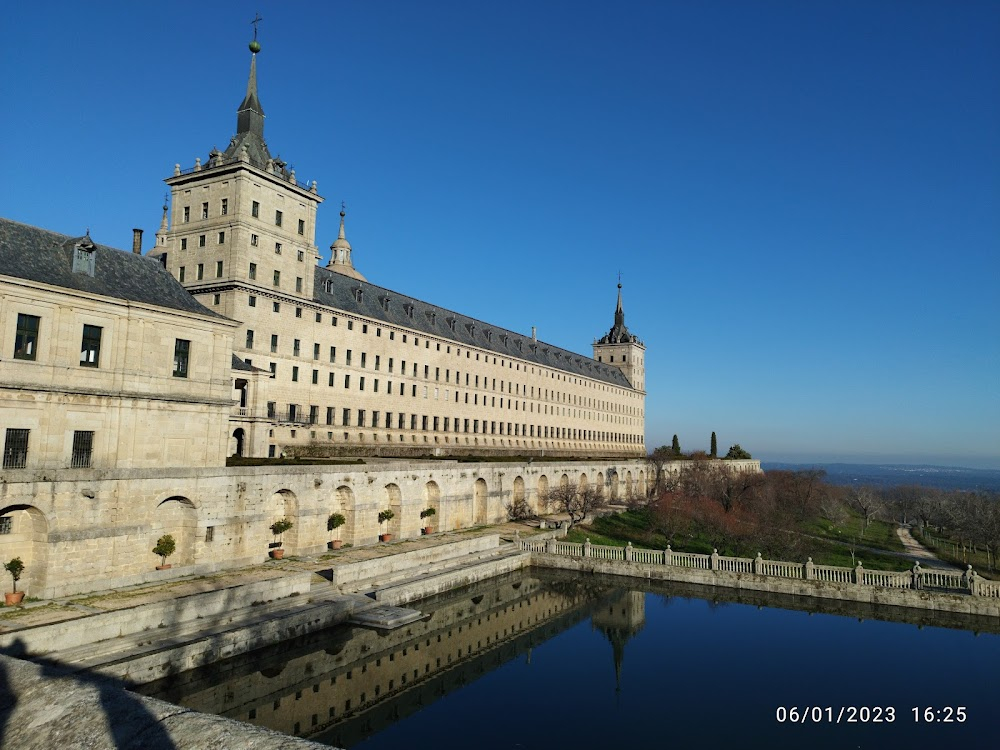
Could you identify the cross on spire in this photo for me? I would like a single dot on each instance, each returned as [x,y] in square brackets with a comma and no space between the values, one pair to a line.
[254,23]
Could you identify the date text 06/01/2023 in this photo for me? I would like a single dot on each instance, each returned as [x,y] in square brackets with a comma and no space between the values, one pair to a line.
[867,714]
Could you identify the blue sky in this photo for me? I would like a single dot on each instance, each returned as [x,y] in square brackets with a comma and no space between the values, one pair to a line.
[803,198]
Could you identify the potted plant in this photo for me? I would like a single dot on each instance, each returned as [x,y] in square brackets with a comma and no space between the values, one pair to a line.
[278,528]
[427,513]
[15,567]
[383,516]
[335,521]
[165,547]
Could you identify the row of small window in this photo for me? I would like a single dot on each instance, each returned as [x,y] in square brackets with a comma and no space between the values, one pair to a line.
[296,415]
[254,212]
[26,339]
[199,271]
[15,449]
[277,282]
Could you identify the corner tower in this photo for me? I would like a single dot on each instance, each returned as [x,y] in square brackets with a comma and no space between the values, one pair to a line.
[241,223]
[621,349]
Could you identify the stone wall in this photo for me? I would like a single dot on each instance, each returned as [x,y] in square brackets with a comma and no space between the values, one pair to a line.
[85,530]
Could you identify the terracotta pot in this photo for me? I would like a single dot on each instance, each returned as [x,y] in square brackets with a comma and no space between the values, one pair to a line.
[385,537]
[163,567]
[335,544]
[13,598]
[428,530]
[277,554]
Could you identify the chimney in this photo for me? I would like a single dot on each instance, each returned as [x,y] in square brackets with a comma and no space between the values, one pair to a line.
[534,333]
[137,241]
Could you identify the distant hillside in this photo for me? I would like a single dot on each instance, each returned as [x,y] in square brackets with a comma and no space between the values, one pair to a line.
[888,475]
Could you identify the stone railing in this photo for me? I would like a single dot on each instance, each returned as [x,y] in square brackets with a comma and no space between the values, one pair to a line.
[950,581]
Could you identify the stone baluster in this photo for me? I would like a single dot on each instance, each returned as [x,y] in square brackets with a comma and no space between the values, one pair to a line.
[177,169]
[758,564]
[628,552]
[713,560]
[667,555]
[586,547]
[550,545]
[859,573]
[197,164]
[810,569]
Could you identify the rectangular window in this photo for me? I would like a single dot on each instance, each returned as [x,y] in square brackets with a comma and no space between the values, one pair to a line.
[315,351]
[347,381]
[348,357]
[277,218]
[277,278]
[296,347]
[347,418]
[295,374]
[319,317]
[300,256]
[274,369]
[201,271]
[375,419]
[274,343]
[329,415]
[276,306]
[254,240]
[180,274]
[251,301]
[361,383]
[249,339]
[313,414]
[361,417]
[184,243]
[277,248]
[378,360]
[333,354]
[225,207]
[298,312]
[182,351]
[90,349]
[253,272]
[330,380]
[83,449]
[15,449]
[204,210]
[271,409]
[302,226]
[26,337]
[201,240]
[363,358]
[255,209]
[187,214]
[298,283]
[218,269]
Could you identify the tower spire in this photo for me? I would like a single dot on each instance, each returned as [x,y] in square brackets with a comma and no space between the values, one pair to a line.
[250,115]
[340,252]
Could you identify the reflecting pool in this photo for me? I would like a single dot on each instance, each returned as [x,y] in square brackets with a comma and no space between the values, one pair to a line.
[541,659]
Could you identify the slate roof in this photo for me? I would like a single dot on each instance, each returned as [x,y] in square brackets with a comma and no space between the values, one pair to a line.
[336,290]
[35,254]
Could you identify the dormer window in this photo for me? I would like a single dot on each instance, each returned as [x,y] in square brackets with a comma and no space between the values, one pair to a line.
[359,294]
[84,257]
[489,336]
[328,286]
[451,323]
[432,316]
[472,328]
[408,309]
[384,301]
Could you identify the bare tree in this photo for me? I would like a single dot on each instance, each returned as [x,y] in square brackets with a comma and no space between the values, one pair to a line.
[867,502]
[519,510]
[576,501]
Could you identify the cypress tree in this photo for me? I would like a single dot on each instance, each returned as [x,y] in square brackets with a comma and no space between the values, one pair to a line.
[676,446]
[714,453]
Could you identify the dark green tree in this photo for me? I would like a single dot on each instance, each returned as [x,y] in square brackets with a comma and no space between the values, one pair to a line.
[714,452]
[676,446]
[737,452]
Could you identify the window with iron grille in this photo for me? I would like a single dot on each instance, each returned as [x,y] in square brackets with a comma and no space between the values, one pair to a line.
[90,349]
[6,525]
[15,449]
[83,449]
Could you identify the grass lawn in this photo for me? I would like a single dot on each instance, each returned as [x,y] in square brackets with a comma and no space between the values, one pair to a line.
[880,534]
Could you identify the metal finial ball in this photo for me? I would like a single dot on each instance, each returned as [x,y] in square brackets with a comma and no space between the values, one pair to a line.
[255,46]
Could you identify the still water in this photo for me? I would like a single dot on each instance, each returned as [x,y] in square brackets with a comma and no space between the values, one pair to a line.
[543,660]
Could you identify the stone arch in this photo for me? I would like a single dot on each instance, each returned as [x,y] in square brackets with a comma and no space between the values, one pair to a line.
[432,499]
[237,446]
[343,503]
[283,504]
[177,516]
[564,480]
[599,482]
[29,540]
[541,493]
[629,487]
[584,482]
[642,483]
[480,503]
[517,492]
[615,489]
[393,502]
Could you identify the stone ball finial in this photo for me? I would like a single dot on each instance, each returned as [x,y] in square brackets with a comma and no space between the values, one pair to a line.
[255,46]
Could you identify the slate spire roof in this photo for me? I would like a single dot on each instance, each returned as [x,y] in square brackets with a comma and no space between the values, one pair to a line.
[250,130]
[619,334]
